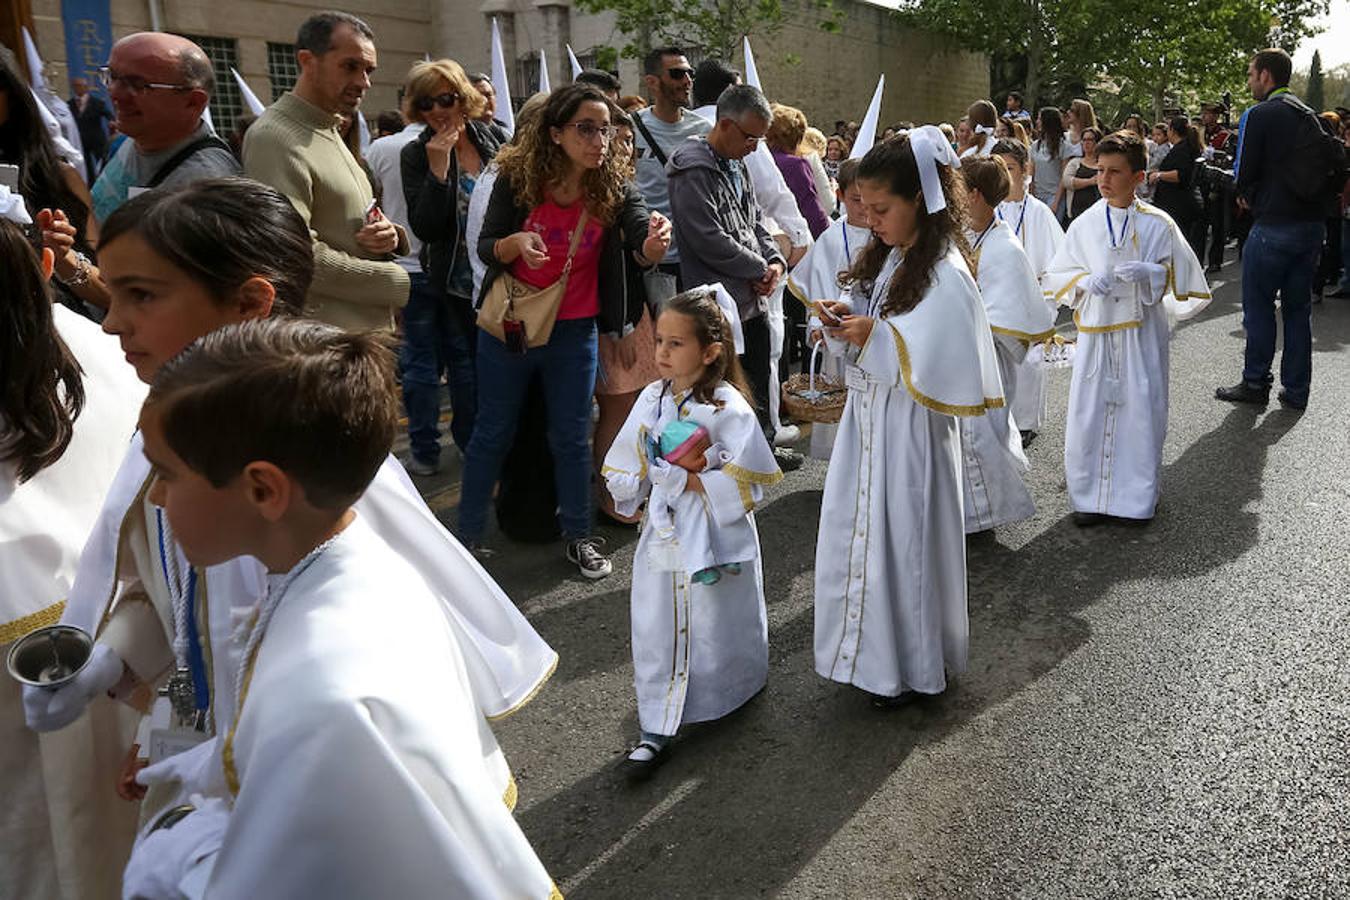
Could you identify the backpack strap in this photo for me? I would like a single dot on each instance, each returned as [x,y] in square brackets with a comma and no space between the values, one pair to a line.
[183,156]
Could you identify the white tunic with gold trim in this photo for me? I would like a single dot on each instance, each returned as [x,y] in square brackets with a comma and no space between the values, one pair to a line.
[699,650]
[356,766]
[890,603]
[1117,416]
[991,447]
[1041,236]
[64,833]
[816,277]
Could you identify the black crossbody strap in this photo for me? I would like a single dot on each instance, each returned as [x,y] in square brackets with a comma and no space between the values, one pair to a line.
[651,141]
[182,156]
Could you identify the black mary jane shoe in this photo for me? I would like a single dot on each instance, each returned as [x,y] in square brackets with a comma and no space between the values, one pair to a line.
[881,701]
[1090,519]
[640,765]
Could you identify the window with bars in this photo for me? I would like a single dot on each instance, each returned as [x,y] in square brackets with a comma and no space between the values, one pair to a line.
[527,78]
[227,105]
[282,67]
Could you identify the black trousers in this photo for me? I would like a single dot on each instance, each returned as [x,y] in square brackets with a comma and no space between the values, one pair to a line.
[755,362]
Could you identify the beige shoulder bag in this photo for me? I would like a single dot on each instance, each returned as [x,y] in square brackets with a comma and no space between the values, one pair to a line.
[512,306]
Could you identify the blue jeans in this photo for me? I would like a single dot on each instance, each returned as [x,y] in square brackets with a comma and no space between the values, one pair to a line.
[567,366]
[1280,258]
[435,337]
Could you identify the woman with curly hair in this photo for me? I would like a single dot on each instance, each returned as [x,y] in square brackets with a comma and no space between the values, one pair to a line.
[890,558]
[558,177]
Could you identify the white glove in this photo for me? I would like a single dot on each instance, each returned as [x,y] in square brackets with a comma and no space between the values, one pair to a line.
[1100,283]
[199,770]
[160,860]
[1151,275]
[49,710]
[670,478]
[714,458]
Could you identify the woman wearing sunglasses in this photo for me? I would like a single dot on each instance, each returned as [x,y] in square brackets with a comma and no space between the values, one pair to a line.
[559,179]
[440,170]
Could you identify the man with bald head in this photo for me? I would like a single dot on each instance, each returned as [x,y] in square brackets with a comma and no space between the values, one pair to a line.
[159,85]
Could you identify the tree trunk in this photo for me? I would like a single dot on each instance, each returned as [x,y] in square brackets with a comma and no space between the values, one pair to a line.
[1035,52]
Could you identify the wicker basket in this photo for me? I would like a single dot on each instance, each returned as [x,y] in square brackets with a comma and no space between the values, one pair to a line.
[814,397]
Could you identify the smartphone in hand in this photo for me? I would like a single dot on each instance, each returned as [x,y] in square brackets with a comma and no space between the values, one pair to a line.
[827,318]
[373,214]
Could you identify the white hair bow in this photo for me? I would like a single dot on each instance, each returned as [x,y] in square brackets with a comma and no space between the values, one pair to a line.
[983,129]
[733,315]
[931,148]
[12,208]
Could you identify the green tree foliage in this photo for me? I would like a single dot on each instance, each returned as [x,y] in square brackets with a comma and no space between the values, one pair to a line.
[713,26]
[1315,95]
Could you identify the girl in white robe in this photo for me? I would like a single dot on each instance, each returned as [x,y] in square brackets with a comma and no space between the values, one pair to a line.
[700,651]
[1039,232]
[890,597]
[134,589]
[816,277]
[63,834]
[991,447]
[1126,270]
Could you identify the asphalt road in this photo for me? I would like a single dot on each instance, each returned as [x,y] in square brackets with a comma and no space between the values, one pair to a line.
[1159,711]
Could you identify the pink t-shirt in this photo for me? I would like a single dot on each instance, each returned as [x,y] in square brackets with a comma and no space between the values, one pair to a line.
[555,224]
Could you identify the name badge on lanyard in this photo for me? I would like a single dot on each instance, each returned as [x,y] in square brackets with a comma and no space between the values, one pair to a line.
[855,378]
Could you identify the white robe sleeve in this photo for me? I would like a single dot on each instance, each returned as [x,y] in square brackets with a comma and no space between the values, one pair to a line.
[625,466]
[734,489]
[1064,282]
[880,354]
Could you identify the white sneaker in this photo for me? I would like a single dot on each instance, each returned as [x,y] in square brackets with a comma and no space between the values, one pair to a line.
[585,553]
[786,434]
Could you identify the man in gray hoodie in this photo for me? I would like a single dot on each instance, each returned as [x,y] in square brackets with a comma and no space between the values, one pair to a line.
[719,227]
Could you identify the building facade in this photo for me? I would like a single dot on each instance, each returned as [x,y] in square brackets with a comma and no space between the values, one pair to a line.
[828,75]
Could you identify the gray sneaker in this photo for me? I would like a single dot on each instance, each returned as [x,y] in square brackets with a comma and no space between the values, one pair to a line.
[585,553]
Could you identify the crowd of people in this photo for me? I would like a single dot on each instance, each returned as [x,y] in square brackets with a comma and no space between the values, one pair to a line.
[613,289]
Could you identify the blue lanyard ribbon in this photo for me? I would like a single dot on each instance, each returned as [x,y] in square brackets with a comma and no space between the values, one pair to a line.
[1110,229]
[201,692]
[848,255]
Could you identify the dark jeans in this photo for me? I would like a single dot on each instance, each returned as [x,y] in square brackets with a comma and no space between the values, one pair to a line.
[755,363]
[566,365]
[1280,259]
[436,336]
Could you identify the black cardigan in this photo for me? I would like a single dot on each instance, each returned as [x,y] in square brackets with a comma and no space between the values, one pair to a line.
[433,205]
[620,285]
[1178,199]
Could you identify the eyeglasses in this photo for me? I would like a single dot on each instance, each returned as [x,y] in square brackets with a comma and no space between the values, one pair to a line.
[678,74]
[752,138]
[134,84]
[444,101]
[588,130]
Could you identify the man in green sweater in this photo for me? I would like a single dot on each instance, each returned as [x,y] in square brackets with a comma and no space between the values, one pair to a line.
[295,147]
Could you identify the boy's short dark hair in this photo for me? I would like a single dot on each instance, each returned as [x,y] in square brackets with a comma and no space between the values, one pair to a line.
[1127,144]
[711,78]
[848,174]
[1277,63]
[313,400]
[389,122]
[605,81]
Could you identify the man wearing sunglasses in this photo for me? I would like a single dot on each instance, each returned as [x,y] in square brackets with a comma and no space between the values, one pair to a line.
[159,85]
[660,128]
[296,148]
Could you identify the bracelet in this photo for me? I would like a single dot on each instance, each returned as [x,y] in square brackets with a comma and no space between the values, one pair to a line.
[81,276]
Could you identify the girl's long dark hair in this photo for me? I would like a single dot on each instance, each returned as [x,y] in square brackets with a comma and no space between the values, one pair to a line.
[1052,130]
[891,164]
[24,142]
[41,391]
[711,327]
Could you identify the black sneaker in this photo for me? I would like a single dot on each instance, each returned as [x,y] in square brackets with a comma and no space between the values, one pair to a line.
[1090,519]
[1212,269]
[1244,392]
[789,460]
[585,553]
[1288,403]
[1027,437]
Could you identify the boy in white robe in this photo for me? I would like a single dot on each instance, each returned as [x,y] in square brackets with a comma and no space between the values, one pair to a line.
[816,277]
[890,597]
[354,764]
[1126,270]
[1039,232]
[991,447]
[700,650]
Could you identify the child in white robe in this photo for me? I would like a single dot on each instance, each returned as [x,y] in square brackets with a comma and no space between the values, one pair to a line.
[354,766]
[69,409]
[1126,270]
[154,614]
[700,650]
[1038,230]
[890,600]
[991,447]
[816,277]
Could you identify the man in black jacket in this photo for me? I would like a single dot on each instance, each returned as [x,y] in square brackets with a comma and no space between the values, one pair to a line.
[91,118]
[1280,255]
